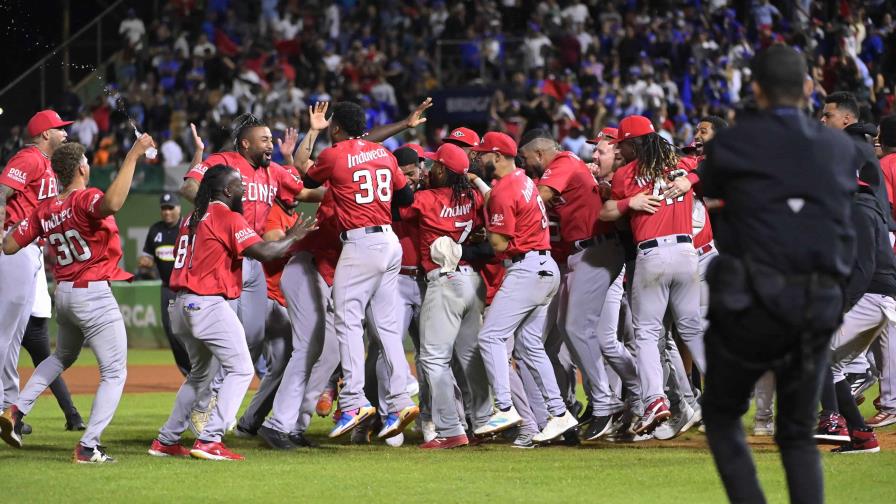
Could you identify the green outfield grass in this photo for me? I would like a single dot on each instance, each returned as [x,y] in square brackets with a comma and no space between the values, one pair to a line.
[42,472]
[136,357]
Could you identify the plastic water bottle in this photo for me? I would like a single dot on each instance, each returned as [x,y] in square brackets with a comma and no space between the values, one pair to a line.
[151,152]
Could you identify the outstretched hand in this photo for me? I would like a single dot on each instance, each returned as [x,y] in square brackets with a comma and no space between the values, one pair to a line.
[197,140]
[416,117]
[302,227]
[645,202]
[318,116]
[288,143]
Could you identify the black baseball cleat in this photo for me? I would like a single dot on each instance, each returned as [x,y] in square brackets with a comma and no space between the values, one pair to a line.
[600,426]
[26,429]
[11,425]
[75,423]
[299,439]
[276,439]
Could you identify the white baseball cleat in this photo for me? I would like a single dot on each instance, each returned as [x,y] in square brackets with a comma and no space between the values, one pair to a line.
[395,441]
[500,421]
[555,427]
[764,427]
[428,428]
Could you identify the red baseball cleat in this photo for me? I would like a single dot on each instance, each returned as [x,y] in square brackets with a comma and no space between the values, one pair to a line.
[213,451]
[446,443]
[832,429]
[159,449]
[860,442]
[325,402]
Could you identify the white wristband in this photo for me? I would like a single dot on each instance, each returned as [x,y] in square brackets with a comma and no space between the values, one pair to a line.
[482,186]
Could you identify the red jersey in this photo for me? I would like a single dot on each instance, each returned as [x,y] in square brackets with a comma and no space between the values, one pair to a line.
[363,176]
[262,185]
[87,245]
[888,167]
[30,175]
[323,243]
[492,274]
[278,219]
[212,265]
[409,237]
[577,203]
[515,210]
[673,217]
[436,216]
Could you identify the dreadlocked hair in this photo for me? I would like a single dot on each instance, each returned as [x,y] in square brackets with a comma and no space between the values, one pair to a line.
[212,184]
[241,125]
[460,187]
[654,155]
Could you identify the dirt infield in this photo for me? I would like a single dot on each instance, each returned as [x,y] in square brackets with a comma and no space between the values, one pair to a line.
[142,378]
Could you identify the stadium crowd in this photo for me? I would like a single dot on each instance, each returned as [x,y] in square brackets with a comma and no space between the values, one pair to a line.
[572,66]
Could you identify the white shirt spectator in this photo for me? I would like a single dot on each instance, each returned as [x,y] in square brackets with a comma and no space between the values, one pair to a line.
[85,130]
[533,47]
[204,48]
[437,19]
[172,154]
[287,28]
[577,13]
[333,62]
[331,20]
[182,47]
[383,92]
[133,30]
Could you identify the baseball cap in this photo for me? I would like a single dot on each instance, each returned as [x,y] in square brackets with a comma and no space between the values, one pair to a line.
[463,136]
[169,199]
[453,157]
[497,142]
[416,148]
[406,156]
[633,126]
[44,120]
[604,134]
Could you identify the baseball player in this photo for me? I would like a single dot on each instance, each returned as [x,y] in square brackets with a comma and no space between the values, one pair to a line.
[569,189]
[25,181]
[79,226]
[207,274]
[264,182]
[518,229]
[364,178]
[446,215]
[666,270]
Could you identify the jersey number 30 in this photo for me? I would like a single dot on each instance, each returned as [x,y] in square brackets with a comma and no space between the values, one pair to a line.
[367,192]
[70,247]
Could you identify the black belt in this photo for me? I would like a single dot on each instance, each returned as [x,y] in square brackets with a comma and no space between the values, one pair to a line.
[594,240]
[519,257]
[649,244]
[368,230]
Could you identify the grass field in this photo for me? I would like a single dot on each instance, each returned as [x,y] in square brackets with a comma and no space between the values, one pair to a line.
[606,473]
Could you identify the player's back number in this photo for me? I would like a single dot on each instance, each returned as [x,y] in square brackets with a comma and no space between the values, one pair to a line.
[366,190]
[70,247]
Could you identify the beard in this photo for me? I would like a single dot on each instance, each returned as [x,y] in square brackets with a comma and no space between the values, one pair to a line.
[261,160]
[489,171]
[236,205]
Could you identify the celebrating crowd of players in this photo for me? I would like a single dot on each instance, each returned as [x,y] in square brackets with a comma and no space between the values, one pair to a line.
[513,265]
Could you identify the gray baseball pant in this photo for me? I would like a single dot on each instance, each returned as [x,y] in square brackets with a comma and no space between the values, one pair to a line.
[307,298]
[764,394]
[556,348]
[213,336]
[319,378]
[86,315]
[450,321]
[680,391]
[367,273]
[19,273]
[864,322]
[884,351]
[278,348]
[521,304]
[665,276]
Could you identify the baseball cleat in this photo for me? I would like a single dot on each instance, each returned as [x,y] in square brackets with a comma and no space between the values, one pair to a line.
[213,451]
[299,439]
[428,429]
[26,429]
[881,419]
[600,426]
[555,427]
[524,441]
[678,424]
[276,439]
[655,413]
[395,423]
[860,442]
[441,443]
[325,402]
[11,426]
[244,433]
[160,449]
[764,427]
[502,420]
[75,423]
[95,455]
[347,420]
[832,429]
[395,441]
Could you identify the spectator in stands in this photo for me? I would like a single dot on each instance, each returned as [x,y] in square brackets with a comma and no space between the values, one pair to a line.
[133,30]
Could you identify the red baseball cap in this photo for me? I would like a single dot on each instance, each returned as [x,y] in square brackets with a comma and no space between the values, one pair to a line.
[416,148]
[44,120]
[633,126]
[463,136]
[497,142]
[605,134]
[452,157]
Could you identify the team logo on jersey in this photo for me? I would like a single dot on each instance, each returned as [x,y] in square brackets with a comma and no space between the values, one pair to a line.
[365,156]
[497,219]
[244,234]
[23,226]
[260,192]
[17,175]
[455,211]
[200,169]
[96,197]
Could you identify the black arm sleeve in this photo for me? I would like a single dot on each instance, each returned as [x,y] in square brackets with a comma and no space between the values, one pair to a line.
[403,197]
[863,269]
[396,213]
[310,183]
[481,250]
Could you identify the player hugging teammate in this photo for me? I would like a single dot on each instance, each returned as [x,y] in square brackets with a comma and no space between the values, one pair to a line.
[523,264]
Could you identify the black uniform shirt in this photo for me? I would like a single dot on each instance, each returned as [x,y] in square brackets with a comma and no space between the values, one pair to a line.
[161,241]
[787,183]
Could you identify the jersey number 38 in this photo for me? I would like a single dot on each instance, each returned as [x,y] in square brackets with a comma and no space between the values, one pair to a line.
[381,178]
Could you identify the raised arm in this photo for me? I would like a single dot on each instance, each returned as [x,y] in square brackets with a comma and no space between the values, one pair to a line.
[317,115]
[199,147]
[381,133]
[121,186]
